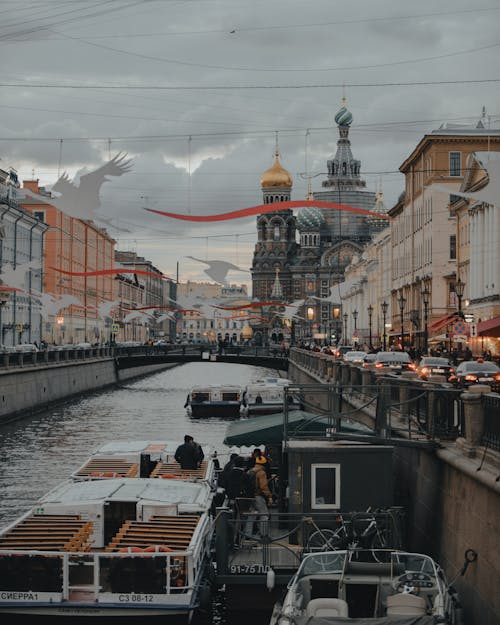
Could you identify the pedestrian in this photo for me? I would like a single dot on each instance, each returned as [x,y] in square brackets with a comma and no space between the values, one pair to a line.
[187,454]
[223,475]
[262,497]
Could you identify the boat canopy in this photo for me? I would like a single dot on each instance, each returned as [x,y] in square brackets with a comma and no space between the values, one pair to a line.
[268,429]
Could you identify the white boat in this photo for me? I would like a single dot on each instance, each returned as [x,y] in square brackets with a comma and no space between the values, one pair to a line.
[106,546]
[221,400]
[267,396]
[395,588]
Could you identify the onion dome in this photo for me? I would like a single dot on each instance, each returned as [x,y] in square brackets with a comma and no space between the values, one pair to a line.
[343,116]
[310,218]
[276,176]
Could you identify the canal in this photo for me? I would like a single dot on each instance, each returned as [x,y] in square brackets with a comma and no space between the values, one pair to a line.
[39,452]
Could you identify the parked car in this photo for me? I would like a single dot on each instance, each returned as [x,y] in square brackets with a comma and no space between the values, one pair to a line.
[355,357]
[433,365]
[394,362]
[369,360]
[83,346]
[26,347]
[476,372]
[342,349]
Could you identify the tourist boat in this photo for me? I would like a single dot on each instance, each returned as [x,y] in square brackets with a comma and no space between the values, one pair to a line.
[267,396]
[222,400]
[110,542]
[395,587]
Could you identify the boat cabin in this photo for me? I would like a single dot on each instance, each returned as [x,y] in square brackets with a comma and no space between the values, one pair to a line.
[221,400]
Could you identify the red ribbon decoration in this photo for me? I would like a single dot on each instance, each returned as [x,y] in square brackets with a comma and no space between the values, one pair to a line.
[269,208]
[109,272]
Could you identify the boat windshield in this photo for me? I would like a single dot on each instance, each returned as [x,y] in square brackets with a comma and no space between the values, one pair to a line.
[415,562]
[322,563]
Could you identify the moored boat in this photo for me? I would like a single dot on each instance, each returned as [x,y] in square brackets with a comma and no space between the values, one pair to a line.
[221,400]
[107,545]
[396,587]
[268,397]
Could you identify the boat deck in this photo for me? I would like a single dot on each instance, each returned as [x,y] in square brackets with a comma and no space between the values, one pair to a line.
[108,467]
[171,468]
[49,533]
[168,532]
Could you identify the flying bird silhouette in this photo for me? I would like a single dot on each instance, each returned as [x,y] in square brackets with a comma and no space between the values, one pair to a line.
[217,269]
[16,277]
[83,201]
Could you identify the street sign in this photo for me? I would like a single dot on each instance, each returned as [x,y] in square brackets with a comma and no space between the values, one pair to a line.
[19,327]
[115,327]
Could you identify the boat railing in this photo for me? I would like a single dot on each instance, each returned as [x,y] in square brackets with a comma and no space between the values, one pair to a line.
[249,543]
[48,576]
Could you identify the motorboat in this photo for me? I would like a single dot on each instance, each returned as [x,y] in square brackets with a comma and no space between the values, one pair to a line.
[110,543]
[372,587]
[221,400]
[268,396]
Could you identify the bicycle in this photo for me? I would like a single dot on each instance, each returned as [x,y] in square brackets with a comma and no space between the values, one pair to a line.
[349,536]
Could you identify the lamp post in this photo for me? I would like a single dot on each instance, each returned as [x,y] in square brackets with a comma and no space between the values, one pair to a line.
[384,307]
[402,302]
[425,299]
[345,315]
[310,317]
[370,313]
[355,333]
[459,290]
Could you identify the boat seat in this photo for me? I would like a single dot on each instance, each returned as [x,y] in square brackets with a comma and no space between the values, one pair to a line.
[327,607]
[406,605]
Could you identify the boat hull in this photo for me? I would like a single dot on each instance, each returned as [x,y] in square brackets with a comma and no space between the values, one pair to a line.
[215,409]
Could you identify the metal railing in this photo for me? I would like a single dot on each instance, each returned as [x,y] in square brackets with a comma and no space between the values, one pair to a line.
[491,431]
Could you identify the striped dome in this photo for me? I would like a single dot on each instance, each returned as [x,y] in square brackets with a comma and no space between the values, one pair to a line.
[343,117]
[310,218]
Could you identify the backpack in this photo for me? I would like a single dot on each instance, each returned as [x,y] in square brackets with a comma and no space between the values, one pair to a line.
[250,485]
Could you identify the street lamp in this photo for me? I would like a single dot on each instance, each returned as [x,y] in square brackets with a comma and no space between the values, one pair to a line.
[459,290]
[370,313]
[384,307]
[402,302]
[425,299]
[310,317]
[346,316]
[355,333]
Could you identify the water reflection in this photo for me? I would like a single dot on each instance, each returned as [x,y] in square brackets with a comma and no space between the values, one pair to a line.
[38,452]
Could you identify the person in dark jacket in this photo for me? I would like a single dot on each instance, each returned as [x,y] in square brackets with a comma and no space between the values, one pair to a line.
[187,454]
[237,480]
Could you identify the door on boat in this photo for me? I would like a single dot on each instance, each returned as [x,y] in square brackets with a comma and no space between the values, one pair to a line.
[115,514]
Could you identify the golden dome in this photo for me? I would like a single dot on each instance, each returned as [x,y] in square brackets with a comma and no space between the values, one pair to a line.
[276,176]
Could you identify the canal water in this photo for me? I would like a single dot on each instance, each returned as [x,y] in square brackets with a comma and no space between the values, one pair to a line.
[39,452]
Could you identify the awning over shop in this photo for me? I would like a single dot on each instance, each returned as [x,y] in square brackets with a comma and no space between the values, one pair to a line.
[268,429]
[490,327]
[444,321]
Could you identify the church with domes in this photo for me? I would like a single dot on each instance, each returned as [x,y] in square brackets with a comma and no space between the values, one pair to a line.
[307,253]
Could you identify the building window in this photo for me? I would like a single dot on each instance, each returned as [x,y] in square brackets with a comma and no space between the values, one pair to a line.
[40,215]
[455,164]
[453,247]
[325,486]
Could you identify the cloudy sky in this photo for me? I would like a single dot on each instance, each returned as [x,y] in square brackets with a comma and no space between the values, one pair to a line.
[196,91]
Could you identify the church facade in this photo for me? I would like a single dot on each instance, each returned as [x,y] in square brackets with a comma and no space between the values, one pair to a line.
[304,256]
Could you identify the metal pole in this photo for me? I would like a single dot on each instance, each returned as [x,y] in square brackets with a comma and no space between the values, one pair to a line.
[370,313]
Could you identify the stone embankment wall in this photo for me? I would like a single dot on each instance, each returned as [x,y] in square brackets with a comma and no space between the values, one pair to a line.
[451,496]
[33,388]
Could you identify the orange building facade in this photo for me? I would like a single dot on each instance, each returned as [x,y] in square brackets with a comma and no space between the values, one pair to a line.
[73,245]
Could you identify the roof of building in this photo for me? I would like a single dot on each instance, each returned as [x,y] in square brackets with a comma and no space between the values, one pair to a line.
[276,176]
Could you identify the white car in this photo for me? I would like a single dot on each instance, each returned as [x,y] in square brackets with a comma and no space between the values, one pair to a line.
[353,356]
[26,347]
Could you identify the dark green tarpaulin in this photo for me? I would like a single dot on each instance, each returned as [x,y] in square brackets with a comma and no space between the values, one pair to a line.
[268,429]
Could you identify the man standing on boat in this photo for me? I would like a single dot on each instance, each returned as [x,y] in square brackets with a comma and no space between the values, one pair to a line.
[262,497]
[188,454]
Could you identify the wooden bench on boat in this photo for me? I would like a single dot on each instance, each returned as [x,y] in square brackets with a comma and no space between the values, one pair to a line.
[49,533]
[171,468]
[172,532]
[108,467]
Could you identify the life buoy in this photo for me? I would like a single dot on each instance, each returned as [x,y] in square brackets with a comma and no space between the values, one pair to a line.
[130,550]
[157,549]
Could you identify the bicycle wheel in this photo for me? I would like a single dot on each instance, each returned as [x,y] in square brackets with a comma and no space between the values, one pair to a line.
[323,540]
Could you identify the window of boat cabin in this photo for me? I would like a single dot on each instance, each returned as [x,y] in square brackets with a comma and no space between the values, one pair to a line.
[325,486]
